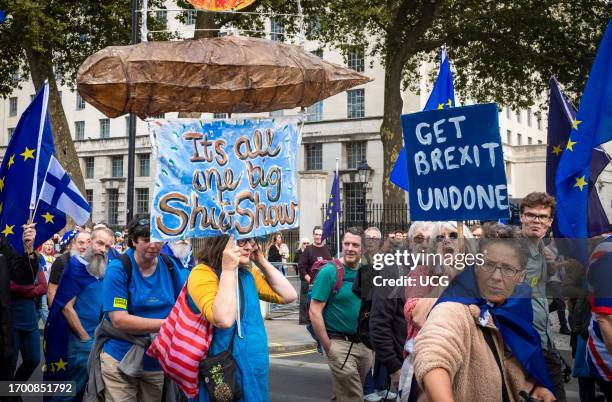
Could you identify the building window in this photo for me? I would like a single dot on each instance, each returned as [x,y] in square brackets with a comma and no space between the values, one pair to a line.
[508,113]
[190,17]
[89,167]
[162,16]
[104,128]
[355,153]
[539,142]
[314,156]
[519,139]
[15,78]
[13,106]
[142,200]
[11,130]
[79,130]
[113,206]
[314,28]
[355,103]
[277,30]
[117,166]
[539,121]
[144,165]
[518,116]
[80,102]
[529,141]
[315,112]
[89,198]
[353,203]
[220,115]
[318,53]
[508,136]
[355,59]
[529,117]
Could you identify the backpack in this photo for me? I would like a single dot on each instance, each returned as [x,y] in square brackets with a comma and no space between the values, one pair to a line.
[314,271]
[126,263]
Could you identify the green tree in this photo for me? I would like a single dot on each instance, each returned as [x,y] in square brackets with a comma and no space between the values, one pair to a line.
[502,50]
[48,40]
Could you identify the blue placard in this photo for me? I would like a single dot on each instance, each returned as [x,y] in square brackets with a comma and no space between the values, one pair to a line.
[224,177]
[456,164]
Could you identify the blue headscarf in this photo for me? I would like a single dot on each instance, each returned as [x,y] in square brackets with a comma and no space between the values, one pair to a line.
[513,318]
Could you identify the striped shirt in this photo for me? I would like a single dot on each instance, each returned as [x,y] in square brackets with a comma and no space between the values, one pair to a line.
[599,277]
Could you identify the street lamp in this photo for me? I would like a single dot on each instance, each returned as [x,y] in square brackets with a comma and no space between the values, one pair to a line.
[363,173]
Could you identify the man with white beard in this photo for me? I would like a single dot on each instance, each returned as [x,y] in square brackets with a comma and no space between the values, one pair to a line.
[182,251]
[79,299]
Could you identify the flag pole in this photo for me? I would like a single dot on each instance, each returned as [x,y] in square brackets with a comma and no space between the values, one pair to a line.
[338,212]
[41,127]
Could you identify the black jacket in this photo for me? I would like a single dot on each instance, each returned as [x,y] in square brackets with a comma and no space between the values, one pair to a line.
[21,270]
[388,330]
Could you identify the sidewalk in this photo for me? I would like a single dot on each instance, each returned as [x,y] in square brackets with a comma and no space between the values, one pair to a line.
[287,336]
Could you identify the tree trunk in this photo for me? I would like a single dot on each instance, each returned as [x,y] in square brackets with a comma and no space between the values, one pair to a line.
[41,68]
[390,130]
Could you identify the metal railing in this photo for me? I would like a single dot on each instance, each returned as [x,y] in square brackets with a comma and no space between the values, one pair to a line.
[285,311]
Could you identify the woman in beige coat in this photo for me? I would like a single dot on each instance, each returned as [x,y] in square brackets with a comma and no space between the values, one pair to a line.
[453,359]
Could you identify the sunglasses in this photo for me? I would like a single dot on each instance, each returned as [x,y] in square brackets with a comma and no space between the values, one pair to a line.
[450,236]
[143,222]
[243,242]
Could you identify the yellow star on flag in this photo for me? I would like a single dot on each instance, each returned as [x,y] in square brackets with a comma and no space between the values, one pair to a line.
[27,154]
[61,365]
[440,106]
[11,161]
[449,103]
[575,123]
[570,144]
[557,150]
[580,182]
[8,230]
[48,217]
[2,184]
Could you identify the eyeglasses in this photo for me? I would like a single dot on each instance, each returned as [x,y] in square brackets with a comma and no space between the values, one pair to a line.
[369,238]
[450,236]
[143,222]
[418,239]
[533,217]
[506,270]
[243,242]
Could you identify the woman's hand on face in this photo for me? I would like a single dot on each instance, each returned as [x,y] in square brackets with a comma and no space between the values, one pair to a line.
[231,255]
[257,256]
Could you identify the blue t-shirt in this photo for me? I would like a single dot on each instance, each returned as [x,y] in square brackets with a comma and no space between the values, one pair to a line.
[149,297]
[88,306]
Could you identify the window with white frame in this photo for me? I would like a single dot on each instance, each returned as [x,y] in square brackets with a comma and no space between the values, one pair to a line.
[355,153]
[117,166]
[529,117]
[190,17]
[89,198]
[315,112]
[13,106]
[79,130]
[355,100]
[104,128]
[112,195]
[142,200]
[277,30]
[314,156]
[80,102]
[353,203]
[355,59]
[89,162]
[144,165]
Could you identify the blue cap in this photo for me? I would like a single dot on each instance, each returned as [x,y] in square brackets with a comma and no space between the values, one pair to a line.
[68,236]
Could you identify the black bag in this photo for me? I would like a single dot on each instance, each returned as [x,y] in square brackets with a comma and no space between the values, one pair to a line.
[363,289]
[219,372]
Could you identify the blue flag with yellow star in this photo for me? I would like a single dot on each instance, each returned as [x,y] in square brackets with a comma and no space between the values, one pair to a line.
[561,114]
[22,174]
[333,208]
[591,127]
[442,96]
[75,278]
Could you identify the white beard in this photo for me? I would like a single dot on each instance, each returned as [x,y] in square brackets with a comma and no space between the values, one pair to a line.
[180,250]
[97,263]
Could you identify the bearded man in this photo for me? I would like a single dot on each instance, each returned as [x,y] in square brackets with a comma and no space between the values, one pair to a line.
[79,300]
[181,250]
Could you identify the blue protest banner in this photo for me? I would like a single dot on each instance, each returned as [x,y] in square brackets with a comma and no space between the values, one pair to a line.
[224,177]
[456,164]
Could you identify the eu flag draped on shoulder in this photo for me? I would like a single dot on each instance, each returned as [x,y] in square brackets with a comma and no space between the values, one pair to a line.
[333,208]
[442,96]
[591,127]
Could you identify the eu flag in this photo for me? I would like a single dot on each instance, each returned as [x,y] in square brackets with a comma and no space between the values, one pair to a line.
[561,114]
[333,208]
[591,127]
[442,96]
[22,174]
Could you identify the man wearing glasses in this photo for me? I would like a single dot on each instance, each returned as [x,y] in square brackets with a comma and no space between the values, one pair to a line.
[536,214]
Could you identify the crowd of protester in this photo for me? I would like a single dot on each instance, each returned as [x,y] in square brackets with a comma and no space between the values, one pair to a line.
[456,331]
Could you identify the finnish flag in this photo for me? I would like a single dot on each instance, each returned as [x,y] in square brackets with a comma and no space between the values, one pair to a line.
[59,191]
